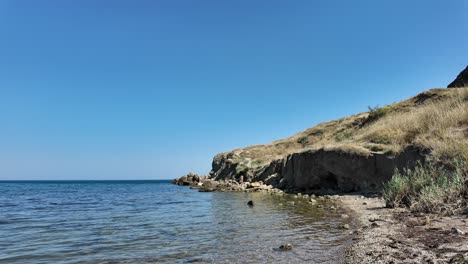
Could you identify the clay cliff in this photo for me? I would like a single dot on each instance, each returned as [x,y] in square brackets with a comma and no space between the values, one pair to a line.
[359,152]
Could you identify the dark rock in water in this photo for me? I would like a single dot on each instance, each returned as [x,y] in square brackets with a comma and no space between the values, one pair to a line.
[286,247]
[461,80]
[250,203]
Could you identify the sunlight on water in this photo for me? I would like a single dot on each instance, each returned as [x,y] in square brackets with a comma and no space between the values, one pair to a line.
[155,222]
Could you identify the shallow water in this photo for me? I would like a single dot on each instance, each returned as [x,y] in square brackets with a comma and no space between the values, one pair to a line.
[156,222]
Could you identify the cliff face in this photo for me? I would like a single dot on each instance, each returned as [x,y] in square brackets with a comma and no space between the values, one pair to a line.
[327,170]
[360,152]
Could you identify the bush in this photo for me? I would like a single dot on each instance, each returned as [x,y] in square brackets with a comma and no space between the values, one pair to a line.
[428,188]
[303,141]
[376,112]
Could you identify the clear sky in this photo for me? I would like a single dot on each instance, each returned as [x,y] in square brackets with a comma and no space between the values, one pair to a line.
[154,89]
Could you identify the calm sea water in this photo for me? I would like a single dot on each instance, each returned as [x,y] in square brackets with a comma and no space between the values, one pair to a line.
[156,222]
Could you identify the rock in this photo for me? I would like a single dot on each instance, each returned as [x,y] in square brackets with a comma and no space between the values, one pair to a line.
[313,201]
[364,203]
[250,203]
[344,216]
[285,247]
[196,178]
[458,259]
[393,245]
[332,207]
[457,231]
[254,185]
[345,226]
[190,179]
[461,80]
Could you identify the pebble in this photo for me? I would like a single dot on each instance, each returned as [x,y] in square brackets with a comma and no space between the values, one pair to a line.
[285,247]
[457,231]
[345,226]
[344,216]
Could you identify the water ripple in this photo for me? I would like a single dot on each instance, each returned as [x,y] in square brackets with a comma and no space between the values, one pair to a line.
[112,222]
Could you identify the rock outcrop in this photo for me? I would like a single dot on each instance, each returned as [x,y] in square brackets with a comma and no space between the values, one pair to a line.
[327,171]
[461,80]
[205,184]
[359,153]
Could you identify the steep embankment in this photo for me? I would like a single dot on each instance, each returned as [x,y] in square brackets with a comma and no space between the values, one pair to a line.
[360,152]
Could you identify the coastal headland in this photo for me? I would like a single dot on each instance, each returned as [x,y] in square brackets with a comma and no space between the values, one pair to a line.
[400,169]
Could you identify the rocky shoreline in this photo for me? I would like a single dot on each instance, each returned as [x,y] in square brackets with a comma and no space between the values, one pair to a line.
[379,234]
[206,184]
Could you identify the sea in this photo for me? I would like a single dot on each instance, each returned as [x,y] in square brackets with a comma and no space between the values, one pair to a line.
[157,222]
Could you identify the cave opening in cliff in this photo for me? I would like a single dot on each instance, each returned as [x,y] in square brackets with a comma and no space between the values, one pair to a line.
[329,181]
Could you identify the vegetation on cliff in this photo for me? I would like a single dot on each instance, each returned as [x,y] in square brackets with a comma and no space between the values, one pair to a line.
[435,120]
[434,124]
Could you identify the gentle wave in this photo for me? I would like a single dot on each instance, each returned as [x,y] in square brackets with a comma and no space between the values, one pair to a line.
[115,222]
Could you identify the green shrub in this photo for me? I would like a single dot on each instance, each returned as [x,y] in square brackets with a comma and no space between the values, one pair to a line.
[316,132]
[376,113]
[303,140]
[427,188]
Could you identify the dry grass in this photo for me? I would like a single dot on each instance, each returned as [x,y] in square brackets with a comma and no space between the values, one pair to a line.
[436,120]
[440,126]
[428,188]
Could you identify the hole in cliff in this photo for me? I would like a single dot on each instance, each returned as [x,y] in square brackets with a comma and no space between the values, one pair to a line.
[329,181]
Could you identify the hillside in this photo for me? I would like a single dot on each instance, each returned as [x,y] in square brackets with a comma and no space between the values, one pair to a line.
[359,152]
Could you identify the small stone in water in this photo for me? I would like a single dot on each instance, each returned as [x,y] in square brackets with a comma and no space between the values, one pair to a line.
[250,203]
[345,226]
[286,247]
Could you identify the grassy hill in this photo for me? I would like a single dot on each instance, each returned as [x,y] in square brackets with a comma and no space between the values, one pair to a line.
[362,151]
[435,120]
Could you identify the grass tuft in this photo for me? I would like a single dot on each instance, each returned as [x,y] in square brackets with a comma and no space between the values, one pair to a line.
[428,188]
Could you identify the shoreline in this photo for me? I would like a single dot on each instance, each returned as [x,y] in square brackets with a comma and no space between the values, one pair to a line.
[378,234]
[385,235]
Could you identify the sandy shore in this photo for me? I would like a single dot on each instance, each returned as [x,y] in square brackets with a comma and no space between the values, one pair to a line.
[383,235]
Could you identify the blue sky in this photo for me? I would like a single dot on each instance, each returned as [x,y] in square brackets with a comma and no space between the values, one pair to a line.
[154,89]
